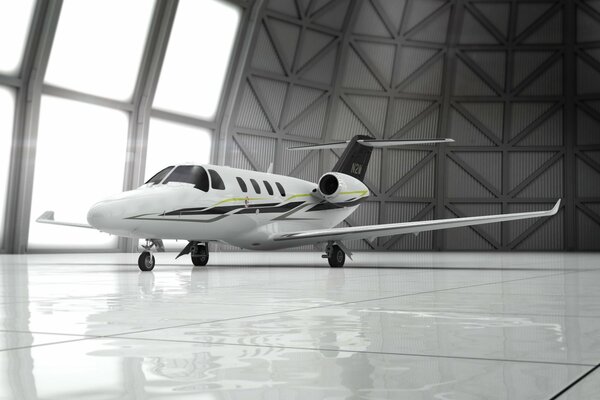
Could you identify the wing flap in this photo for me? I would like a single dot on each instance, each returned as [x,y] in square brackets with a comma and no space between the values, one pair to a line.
[371,231]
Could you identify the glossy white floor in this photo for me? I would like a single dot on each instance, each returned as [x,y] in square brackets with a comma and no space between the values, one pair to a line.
[283,326]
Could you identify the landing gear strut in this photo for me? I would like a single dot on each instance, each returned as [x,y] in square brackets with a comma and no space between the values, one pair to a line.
[335,255]
[199,253]
[146,260]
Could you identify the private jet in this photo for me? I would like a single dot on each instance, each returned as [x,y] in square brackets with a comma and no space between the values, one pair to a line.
[259,210]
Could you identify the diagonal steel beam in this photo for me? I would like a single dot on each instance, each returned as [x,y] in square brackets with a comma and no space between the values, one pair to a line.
[262,103]
[408,176]
[488,238]
[529,231]
[536,124]
[424,22]
[482,128]
[536,174]
[246,153]
[389,26]
[475,175]
[477,70]
[486,23]
[542,19]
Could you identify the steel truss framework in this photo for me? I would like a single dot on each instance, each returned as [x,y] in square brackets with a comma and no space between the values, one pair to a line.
[516,84]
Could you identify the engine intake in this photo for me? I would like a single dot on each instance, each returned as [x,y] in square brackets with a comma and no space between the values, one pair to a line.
[338,187]
[329,184]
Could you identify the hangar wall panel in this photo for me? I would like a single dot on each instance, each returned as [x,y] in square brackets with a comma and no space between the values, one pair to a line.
[516,84]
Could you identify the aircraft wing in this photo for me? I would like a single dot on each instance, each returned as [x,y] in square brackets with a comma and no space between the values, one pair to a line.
[48,218]
[372,231]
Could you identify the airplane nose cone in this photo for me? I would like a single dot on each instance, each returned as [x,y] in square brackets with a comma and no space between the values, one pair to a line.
[98,216]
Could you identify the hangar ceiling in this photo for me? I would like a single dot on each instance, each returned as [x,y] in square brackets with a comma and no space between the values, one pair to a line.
[516,84]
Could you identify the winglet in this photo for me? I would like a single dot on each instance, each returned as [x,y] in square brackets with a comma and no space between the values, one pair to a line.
[47,216]
[556,207]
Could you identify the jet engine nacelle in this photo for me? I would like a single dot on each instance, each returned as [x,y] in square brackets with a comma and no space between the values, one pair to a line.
[338,187]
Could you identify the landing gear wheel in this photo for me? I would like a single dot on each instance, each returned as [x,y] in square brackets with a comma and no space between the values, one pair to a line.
[199,255]
[336,257]
[146,261]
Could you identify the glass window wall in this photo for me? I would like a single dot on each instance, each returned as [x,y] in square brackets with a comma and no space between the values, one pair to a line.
[80,160]
[15,19]
[195,64]
[98,46]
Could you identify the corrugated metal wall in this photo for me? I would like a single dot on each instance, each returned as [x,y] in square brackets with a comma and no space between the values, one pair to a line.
[516,84]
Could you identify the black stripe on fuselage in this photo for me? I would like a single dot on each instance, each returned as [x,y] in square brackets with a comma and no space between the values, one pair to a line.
[277,209]
[219,210]
[332,206]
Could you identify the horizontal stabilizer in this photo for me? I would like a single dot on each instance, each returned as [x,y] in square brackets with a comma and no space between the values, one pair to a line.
[377,143]
[48,218]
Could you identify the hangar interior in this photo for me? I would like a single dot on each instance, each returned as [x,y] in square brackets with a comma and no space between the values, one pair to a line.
[97,96]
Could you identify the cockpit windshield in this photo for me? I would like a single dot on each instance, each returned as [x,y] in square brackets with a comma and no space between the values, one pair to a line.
[156,179]
[193,174]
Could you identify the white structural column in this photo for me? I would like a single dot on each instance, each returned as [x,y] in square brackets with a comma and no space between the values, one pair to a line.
[154,54]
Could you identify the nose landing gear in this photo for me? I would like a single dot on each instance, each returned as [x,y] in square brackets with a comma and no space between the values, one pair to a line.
[146,260]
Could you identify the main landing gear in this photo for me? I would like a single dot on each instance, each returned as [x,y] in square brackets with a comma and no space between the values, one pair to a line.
[146,260]
[199,253]
[335,253]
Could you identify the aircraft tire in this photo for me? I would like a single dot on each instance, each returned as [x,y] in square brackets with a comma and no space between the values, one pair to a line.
[337,257]
[200,258]
[146,261]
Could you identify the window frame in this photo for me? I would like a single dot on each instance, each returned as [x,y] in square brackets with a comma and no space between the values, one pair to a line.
[196,182]
[280,188]
[215,178]
[242,184]
[255,185]
[169,169]
[269,188]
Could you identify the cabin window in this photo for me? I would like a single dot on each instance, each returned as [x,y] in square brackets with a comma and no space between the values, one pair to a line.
[269,187]
[255,186]
[216,180]
[193,174]
[242,184]
[156,179]
[281,189]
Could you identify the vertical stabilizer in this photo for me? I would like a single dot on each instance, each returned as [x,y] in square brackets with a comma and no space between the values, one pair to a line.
[355,159]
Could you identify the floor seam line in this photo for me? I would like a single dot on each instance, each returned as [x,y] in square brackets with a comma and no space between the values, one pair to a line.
[354,351]
[574,383]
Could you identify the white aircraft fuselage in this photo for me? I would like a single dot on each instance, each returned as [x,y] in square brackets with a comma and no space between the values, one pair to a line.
[249,220]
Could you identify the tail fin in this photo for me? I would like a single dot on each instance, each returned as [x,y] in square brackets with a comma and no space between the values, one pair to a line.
[355,159]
